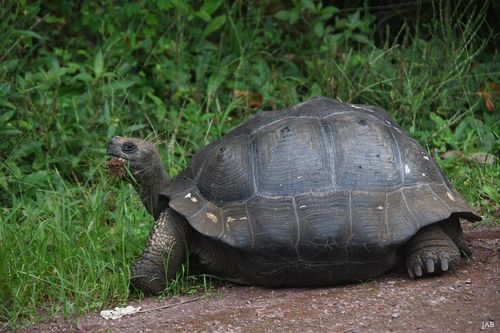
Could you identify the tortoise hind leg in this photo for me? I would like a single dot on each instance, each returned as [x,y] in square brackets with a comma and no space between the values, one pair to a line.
[215,259]
[430,251]
[453,229]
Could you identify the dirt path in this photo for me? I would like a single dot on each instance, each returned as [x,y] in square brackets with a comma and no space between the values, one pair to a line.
[466,300]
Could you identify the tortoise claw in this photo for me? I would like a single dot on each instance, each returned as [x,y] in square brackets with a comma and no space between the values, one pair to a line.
[417,268]
[444,264]
[429,265]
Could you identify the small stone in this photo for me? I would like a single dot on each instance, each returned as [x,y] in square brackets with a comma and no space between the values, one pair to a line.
[395,315]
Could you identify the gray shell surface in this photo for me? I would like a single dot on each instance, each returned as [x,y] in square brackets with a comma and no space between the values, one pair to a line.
[320,173]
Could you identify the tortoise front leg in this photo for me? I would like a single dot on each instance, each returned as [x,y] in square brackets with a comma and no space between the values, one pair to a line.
[164,253]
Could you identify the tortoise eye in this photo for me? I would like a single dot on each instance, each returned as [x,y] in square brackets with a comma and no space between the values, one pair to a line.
[129,147]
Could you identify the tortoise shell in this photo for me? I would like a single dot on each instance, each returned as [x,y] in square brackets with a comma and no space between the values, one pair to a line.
[318,174]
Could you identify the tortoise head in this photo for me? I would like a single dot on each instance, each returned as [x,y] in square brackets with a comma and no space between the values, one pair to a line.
[139,156]
[138,161]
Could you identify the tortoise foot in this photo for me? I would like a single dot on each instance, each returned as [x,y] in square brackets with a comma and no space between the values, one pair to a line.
[149,280]
[430,252]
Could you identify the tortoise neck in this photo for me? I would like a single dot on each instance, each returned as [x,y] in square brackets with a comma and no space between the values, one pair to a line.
[148,184]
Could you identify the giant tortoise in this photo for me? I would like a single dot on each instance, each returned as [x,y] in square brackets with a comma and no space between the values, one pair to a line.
[322,193]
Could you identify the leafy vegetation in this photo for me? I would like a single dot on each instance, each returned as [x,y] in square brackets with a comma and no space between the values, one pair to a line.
[184,73]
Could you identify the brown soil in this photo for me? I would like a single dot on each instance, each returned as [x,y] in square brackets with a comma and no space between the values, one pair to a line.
[464,300]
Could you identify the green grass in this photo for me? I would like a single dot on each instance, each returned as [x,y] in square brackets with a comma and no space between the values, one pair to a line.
[71,77]
[67,251]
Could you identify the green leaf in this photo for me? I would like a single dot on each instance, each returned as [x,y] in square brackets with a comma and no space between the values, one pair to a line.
[315,90]
[98,64]
[155,99]
[152,20]
[210,6]
[294,15]
[6,116]
[181,5]
[318,28]
[203,15]
[328,12]
[10,132]
[308,4]
[38,163]
[215,25]
[118,85]
[111,130]
[82,77]
[37,177]
[361,39]
[164,4]
[55,73]
[28,33]
[440,122]
[135,127]
[8,105]
[354,19]
[283,15]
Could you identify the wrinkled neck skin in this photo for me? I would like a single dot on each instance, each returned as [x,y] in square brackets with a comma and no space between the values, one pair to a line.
[149,183]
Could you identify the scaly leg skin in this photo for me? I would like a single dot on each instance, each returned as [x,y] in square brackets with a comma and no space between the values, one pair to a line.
[453,229]
[165,250]
[430,251]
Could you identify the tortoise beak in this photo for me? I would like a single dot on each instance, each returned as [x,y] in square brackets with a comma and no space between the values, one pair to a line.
[115,161]
[114,148]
